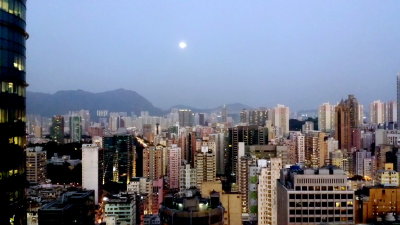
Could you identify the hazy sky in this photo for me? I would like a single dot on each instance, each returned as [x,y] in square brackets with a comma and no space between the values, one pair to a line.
[260,53]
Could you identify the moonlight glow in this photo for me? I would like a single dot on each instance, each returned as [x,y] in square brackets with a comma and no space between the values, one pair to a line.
[182,45]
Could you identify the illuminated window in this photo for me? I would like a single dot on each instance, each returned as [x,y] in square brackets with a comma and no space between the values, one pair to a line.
[10,87]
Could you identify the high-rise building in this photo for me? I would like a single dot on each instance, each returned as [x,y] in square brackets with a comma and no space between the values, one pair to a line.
[187,177]
[219,140]
[314,197]
[224,114]
[262,191]
[390,112]
[36,165]
[377,112]
[257,117]
[360,158]
[298,147]
[202,120]
[186,118]
[118,159]
[205,166]
[398,99]
[90,169]
[153,162]
[250,135]
[57,129]
[244,116]
[245,162]
[12,111]
[326,117]
[347,122]
[174,166]
[75,128]
[281,119]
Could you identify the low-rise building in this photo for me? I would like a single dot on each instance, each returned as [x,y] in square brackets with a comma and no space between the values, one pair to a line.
[122,207]
[388,176]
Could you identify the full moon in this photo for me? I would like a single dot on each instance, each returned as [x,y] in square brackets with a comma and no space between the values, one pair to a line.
[182,45]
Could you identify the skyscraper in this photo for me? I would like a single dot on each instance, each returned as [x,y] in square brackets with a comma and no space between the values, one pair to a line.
[174,166]
[398,99]
[57,129]
[118,158]
[186,118]
[90,169]
[326,115]
[281,119]
[347,122]
[390,112]
[36,165]
[12,111]
[250,135]
[377,112]
[75,128]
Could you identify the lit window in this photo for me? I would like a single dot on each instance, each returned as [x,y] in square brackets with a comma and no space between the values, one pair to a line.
[10,87]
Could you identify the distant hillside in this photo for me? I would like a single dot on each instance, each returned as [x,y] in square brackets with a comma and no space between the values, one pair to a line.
[232,108]
[61,102]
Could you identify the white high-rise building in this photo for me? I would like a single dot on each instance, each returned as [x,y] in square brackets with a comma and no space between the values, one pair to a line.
[377,112]
[360,114]
[187,177]
[326,117]
[90,168]
[268,174]
[281,119]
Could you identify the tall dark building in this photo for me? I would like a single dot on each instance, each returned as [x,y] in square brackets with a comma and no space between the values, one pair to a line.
[186,118]
[347,123]
[250,135]
[57,129]
[12,111]
[118,158]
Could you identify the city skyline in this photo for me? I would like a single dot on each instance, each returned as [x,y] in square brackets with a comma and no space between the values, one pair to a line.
[254,48]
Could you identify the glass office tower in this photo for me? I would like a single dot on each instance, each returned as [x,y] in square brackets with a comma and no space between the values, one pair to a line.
[12,111]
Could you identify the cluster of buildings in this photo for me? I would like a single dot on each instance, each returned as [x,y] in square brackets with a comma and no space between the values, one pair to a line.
[194,168]
[198,168]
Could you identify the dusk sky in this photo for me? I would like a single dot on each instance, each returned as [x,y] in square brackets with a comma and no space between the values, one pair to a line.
[258,52]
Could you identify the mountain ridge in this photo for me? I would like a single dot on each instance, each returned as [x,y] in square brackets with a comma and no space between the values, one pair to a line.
[118,100]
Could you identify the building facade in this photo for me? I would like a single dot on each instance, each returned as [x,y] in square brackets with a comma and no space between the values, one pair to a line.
[36,165]
[12,110]
[90,169]
[314,196]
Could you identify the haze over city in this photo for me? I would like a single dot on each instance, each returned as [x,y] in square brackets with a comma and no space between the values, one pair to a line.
[258,53]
